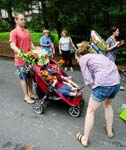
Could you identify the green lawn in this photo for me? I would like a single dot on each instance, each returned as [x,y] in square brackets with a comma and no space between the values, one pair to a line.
[4,36]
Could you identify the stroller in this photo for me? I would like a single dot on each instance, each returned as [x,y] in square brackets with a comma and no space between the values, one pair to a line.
[46,92]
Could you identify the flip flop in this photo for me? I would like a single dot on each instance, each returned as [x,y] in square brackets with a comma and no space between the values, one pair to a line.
[34,97]
[79,136]
[29,101]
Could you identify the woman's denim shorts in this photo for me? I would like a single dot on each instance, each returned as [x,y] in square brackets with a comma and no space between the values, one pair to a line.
[101,93]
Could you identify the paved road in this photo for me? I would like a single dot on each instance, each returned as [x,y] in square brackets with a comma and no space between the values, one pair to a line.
[55,130]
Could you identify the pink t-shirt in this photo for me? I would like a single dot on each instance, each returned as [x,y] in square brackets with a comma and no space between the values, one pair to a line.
[22,39]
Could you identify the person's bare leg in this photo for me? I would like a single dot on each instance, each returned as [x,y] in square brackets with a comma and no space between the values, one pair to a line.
[24,88]
[108,117]
[73,83]
[72,88]
[30,93]
[25,91]
[93,105]
[73,93]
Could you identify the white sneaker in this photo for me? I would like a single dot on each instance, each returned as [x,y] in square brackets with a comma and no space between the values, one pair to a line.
[65,68]
[71,69]
[122,88]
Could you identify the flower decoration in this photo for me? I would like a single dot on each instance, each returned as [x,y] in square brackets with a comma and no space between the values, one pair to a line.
[25,57]
[32,55]
[43,61]
[61,62]
[46,75]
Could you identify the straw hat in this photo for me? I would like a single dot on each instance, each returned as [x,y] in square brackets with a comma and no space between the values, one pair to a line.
[45,31]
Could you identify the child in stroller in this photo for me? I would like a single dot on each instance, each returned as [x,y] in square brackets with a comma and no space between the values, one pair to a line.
[64,84]
[56,85]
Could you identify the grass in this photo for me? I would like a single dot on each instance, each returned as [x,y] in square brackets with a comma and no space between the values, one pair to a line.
[4,36]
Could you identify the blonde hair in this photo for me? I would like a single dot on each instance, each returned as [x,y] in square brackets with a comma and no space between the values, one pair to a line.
[64,31]
[83,48]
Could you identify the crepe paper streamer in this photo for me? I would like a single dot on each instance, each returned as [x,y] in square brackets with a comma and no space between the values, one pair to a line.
[123,114]
[95,47]
[98,40]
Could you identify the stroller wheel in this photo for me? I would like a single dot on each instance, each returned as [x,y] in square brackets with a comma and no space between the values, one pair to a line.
[74,111]
[38,108]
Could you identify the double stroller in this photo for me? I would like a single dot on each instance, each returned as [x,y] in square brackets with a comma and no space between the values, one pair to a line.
[46,92]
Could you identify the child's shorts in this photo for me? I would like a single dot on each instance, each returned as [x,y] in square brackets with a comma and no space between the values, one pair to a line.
[64,90]
[101,93]
[23,74]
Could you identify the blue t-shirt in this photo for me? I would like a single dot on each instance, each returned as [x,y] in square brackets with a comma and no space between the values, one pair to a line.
[45,40]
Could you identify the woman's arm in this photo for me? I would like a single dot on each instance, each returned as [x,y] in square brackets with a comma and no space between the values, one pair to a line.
[42,44]
[60,52]
[112,47]
[86,73]
[90,86]
[72,43]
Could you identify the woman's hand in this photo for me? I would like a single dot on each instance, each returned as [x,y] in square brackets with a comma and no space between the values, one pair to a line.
[120,43]
[60,52]
[117,44]
[90,86]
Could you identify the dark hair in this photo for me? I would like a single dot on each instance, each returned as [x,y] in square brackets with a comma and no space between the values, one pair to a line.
[113,29]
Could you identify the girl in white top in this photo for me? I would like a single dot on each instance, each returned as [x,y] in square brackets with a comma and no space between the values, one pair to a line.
[65,44]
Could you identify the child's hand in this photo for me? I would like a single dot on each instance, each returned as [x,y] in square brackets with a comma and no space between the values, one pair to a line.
[54,83]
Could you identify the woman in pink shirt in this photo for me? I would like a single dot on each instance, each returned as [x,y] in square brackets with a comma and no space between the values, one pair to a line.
[102,76]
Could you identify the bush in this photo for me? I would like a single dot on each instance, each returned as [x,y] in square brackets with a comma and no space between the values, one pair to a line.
[4,25]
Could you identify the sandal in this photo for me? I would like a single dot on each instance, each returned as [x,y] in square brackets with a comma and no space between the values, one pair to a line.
[109,135]
[34,97]
[79,136]
[29,100]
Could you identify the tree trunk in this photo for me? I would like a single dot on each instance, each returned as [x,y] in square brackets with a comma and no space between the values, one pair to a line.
[10,17]
[44,15]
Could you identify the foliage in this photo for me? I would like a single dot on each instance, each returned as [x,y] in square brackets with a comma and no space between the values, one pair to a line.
[77,16]
[4,25]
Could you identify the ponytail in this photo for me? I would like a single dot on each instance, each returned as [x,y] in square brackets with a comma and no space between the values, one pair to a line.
[83,48]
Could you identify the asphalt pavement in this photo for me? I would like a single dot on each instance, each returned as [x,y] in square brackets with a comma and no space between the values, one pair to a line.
[22,129]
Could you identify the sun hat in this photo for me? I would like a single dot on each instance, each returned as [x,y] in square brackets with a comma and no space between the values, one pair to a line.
[45,31]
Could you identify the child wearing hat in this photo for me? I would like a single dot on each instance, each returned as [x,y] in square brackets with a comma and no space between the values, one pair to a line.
[46,42]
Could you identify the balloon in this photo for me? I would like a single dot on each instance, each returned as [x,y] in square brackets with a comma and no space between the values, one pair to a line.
[98,41]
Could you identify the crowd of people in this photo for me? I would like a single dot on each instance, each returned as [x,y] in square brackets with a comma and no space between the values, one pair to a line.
[99,71]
